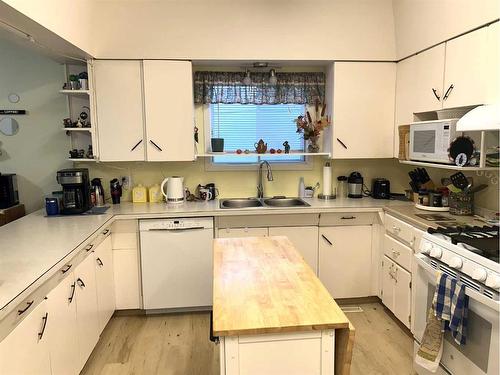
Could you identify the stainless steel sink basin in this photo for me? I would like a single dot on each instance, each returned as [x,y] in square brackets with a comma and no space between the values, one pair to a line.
[285,202]
[240,203]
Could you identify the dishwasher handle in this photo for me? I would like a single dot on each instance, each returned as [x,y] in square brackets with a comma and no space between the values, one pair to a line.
[174,229]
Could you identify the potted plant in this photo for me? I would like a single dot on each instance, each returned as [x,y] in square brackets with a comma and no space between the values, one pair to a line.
[73,82]
[83,78]
[217,144]
[311,129]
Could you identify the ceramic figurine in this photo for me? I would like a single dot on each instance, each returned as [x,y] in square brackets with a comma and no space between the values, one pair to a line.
[287,147]
[247,151]
[238,151]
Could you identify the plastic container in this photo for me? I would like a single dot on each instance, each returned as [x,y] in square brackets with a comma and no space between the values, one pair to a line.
[342,186]
[155,195]
[139,194]
[52,206]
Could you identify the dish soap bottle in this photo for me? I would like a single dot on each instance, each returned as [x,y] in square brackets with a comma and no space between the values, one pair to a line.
[139,194]
[302,188]
[154,194]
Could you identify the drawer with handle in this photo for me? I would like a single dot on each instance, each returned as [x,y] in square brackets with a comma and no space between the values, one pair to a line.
[398,252]
[400,230]
[347,218]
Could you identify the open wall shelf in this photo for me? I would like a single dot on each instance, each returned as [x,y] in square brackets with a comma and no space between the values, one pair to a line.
[448,166]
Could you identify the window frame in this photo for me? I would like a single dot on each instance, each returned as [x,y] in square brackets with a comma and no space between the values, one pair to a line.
[306,165]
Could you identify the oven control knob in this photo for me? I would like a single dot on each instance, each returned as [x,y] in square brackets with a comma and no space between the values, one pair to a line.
[426,248]
[436,252]
[479,274]
[456,263]
[493,281]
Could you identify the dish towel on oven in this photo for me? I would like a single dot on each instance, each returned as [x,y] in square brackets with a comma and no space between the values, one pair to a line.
[448,311]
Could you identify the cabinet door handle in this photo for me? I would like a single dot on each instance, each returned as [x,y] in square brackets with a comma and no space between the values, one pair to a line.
[342,143]
[68,267]
[327,240]
[434,91]
[106,231]
[20,312]
[448,92]
[136,145]
[89,247]
[99,262]
[154,144]
[395,253]
[80,282]
[73,287]
[396,229]
[348,217]
[45,318]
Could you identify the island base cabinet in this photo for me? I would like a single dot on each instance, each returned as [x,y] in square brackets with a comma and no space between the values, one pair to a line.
[294,353]
[25,350]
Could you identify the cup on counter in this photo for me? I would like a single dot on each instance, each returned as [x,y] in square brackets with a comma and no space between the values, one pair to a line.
[205,194]
[52,206]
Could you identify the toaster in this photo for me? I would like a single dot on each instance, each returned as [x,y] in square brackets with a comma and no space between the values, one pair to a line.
[381,188]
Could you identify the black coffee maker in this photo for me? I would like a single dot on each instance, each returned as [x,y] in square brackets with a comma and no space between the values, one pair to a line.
[76,190]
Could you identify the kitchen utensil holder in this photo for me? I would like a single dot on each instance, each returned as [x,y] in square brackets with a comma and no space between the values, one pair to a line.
[461,204]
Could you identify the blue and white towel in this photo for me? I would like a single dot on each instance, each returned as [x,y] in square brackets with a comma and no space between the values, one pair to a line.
[451,306]
[449,311]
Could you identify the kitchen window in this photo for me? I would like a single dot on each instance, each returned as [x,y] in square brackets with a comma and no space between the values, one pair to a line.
[242,125]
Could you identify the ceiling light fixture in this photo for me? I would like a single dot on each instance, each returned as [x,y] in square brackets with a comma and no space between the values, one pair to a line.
[272,77]
[247,80]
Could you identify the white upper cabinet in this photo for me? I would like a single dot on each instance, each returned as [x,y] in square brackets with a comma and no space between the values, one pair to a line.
[419,84]
[119,109]
[493,68]
[363,110]
[466,72]
[169,108]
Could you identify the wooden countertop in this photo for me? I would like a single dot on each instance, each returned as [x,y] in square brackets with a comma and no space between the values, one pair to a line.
[263,285]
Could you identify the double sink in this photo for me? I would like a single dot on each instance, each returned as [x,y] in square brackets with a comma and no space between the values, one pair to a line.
[277,202]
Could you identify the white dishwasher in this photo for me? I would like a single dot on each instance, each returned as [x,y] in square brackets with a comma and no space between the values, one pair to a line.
[176,262]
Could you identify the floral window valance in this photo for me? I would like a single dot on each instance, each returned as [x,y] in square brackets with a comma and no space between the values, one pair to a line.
[228,88]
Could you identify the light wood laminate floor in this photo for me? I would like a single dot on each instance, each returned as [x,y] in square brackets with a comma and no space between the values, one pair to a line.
[178,344]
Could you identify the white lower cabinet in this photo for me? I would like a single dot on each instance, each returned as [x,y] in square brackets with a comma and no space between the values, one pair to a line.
[305,240]
[25,350]
[105,282]
[242,232]
[62,328]
[345,260]
[87,313]
[126,279]
[396,290]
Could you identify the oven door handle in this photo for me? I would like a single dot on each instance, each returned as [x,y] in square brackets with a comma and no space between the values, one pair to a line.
[495,305]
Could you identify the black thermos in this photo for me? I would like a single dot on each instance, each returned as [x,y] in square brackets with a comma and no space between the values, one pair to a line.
[116,190]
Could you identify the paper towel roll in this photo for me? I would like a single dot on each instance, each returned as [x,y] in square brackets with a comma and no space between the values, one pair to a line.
[327,179]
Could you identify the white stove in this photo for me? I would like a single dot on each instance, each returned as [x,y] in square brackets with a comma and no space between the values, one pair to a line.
[469,255]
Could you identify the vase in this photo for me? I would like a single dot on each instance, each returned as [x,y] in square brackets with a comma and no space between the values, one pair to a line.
[313,146]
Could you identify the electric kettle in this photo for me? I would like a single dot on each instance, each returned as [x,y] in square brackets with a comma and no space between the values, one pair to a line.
[175,189]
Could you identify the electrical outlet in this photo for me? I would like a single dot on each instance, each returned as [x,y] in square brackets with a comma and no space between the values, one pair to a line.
[126,182]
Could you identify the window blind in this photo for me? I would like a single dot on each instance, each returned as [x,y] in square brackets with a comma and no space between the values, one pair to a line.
[242,125]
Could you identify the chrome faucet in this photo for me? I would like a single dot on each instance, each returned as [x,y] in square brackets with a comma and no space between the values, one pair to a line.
[260,187]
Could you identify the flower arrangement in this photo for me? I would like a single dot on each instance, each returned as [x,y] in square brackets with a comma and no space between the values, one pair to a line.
[311,129]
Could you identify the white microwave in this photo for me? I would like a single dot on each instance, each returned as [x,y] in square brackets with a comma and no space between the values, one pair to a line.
[430,140]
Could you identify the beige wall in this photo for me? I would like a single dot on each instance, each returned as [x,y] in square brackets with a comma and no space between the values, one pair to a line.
[40,148]
[243,29]
[422,23]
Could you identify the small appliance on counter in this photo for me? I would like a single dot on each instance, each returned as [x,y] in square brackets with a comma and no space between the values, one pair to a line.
[175,189]
[355,185]
[381,188]
[116,190]
[76,190]
[9,194]
[97,193]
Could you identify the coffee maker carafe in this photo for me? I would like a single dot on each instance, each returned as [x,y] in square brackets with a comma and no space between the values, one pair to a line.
[76,190]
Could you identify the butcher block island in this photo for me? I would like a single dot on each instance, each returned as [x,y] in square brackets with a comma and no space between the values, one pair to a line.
[272,314]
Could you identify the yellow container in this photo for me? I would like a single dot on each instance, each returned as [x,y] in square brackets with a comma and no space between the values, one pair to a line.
[139,194]
[155,195]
